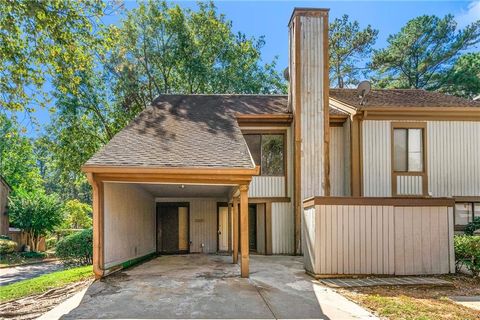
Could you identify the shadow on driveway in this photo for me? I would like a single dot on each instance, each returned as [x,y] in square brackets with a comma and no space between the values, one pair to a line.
[209,286]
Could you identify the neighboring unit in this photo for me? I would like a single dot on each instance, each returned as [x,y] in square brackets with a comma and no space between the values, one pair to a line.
[363,184]
[4,192]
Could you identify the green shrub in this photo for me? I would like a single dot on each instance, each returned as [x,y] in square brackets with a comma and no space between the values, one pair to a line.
[33,255]
[467,253]
[472,226]
[76,248]
[51,242]
[7,246]
[4,237]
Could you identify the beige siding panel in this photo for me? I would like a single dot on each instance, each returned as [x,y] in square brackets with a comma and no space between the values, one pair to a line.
[282,228]
[362,239]
[203,222]
[308,242]
[261,228]
[337,161]
[312,115]
[183,229]
[267,186]
[453,153]
[346,153]
[130,223]
[409,185]
[376,157]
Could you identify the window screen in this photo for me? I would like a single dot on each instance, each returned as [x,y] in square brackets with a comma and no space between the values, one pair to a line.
[408,150]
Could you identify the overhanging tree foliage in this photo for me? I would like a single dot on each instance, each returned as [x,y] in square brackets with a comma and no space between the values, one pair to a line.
[463,78]
[349,46]
[157,48]
[44,39]
[424,48]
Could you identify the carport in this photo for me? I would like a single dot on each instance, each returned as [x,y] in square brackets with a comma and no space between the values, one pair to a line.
[177,150]
[122,193]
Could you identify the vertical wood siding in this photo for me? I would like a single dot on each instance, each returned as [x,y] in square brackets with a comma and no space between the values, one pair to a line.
[312,115]
[409,185]
[282,228]
[364,239]
[266,186]
[453,158]
[347,127]
[337,161]
[261,228]
[130,223]
[376,159]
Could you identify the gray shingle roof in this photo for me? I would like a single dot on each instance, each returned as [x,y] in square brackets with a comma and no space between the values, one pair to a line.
[192,131]
[398,98]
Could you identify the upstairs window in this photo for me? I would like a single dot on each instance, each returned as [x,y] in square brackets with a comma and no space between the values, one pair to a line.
[268,152]
[408,150]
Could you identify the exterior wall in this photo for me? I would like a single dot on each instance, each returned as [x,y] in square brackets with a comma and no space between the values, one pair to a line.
[282,228]
[4,191]
[261,228]
[129,223]
[375,239]
[203,222]
[337,162]
[312,106]
[267,186]
[376,159]
[452,160]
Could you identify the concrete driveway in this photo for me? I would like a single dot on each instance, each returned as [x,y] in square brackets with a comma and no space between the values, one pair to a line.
[209,286]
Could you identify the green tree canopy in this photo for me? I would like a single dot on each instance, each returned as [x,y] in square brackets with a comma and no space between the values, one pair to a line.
[463,78]
[349,46]
[17,160]
[77,215]
[424,48]
[36,213]
[157,48]
[44,39]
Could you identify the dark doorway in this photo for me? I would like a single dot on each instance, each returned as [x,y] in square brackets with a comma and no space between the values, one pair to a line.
[252,226]
[172,228]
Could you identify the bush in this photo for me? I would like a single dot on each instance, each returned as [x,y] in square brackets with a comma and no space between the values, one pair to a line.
[472,226]
[51,242]
[467,253]
[76,248]
[7,246]
[33,255]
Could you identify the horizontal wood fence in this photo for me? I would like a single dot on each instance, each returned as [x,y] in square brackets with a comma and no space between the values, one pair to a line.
[390,236]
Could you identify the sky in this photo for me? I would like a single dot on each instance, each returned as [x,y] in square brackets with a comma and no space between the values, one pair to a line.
[270,19]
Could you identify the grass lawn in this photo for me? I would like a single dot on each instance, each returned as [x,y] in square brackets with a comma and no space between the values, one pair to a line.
[44,283]
[418,303]
[17,258]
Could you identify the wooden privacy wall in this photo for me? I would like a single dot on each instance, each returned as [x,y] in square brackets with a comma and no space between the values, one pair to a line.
[394,239]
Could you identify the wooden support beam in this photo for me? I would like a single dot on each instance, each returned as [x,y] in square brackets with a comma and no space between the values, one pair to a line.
[268,228]
[98,226]
[235,230]
[244,260]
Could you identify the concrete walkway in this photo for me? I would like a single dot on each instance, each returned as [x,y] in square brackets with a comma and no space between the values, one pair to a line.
[19,273]
[209,286]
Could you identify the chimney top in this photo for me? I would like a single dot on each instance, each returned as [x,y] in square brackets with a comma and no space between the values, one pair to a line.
[312,12]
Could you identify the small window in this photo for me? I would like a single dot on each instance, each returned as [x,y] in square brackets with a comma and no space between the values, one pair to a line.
[407,150]
[465,212]
[268,152]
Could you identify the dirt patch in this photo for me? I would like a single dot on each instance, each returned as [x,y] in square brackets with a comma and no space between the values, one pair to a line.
[33,306]
[398,302]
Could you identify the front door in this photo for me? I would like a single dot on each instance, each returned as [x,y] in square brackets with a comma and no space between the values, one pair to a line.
[252,226]
[222,228]
[172,228]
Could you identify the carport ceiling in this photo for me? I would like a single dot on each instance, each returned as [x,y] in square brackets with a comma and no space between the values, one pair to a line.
[186,191]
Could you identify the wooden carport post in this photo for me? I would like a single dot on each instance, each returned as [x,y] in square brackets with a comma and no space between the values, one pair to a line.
[98,226]
[235,230]
[244,261]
